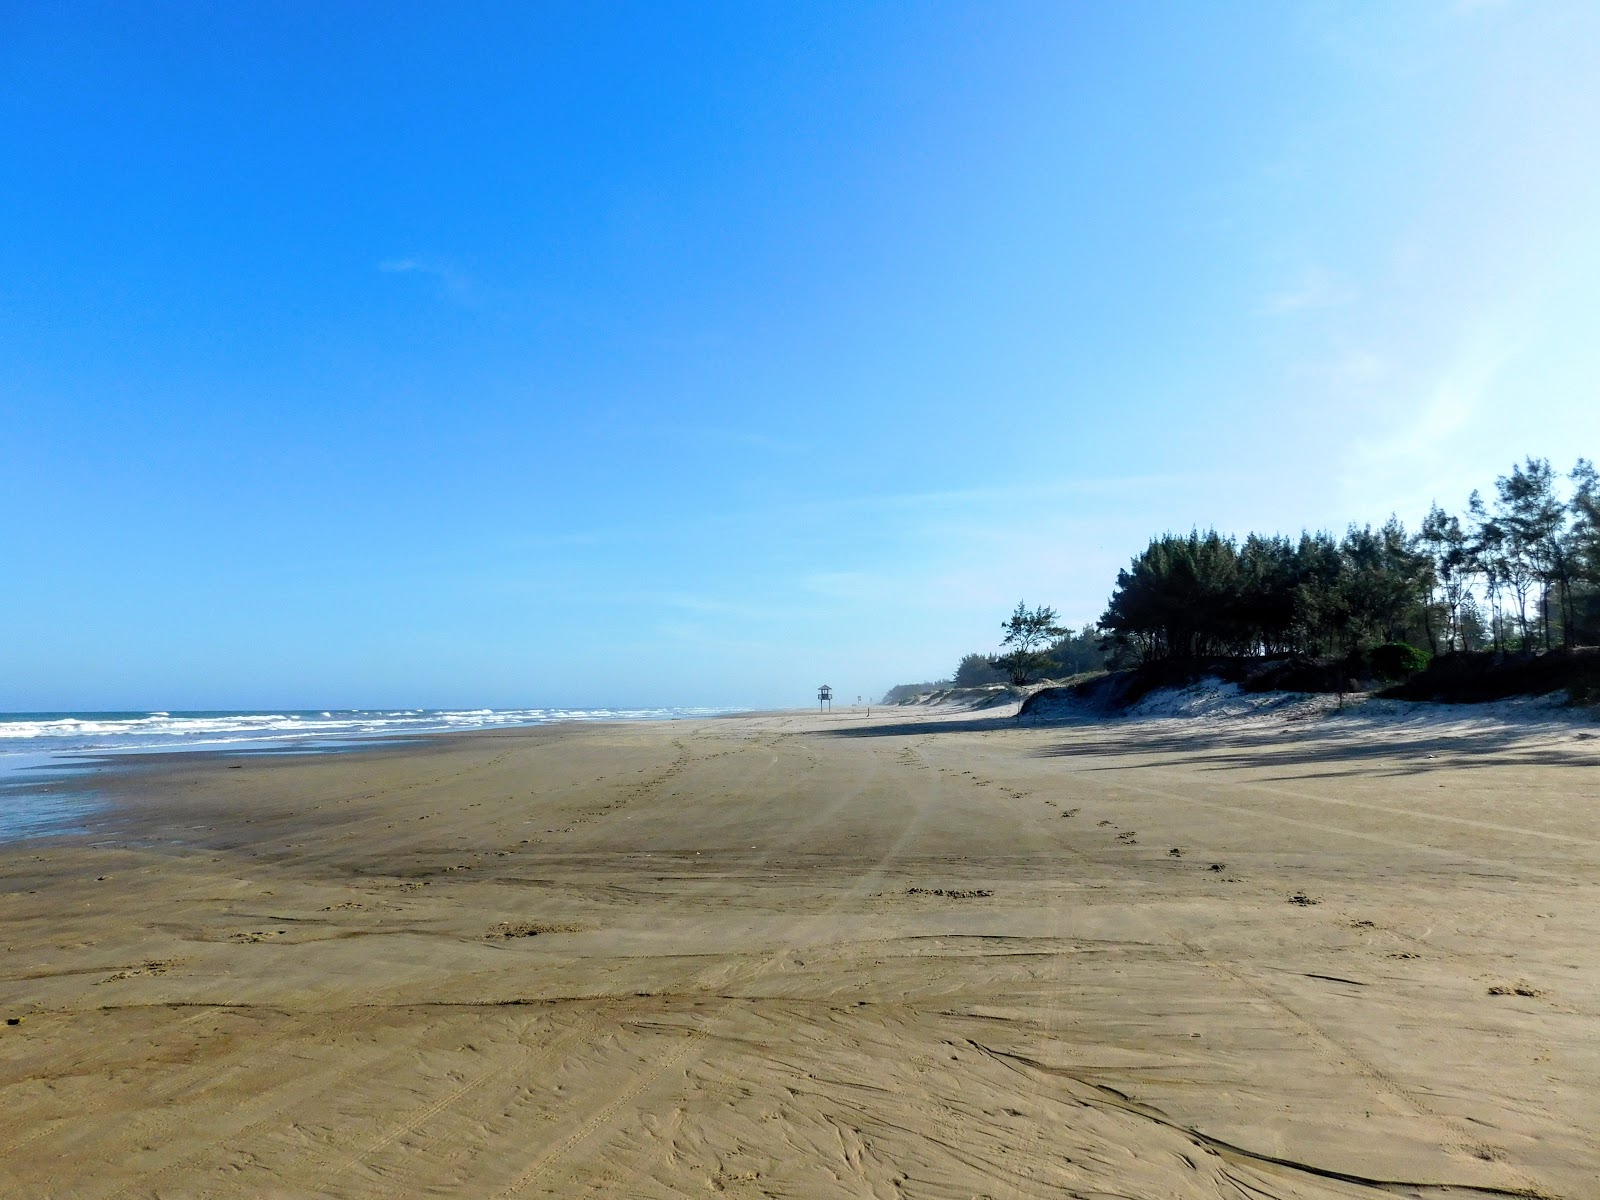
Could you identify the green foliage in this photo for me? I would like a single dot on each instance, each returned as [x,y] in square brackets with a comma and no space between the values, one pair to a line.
[1394,661]
[1583,556]
[902,692]
[1522,569]
[1445,542]
[976,671]
[1177,598]
[1076,654]
[1473,677]
[1027,633]
[1205,595]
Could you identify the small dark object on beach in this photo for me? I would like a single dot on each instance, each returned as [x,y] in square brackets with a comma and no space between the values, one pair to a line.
[1218,867]
[952,893]
[1303,900]
[13,1020]
[1175,852]
[522,929]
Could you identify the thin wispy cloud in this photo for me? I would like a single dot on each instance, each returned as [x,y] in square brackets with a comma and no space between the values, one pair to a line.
[847,585]
[713,639]
[1316,289]
[451,279]
[700,435]
[713,607]
[1443,433]
[1344,372]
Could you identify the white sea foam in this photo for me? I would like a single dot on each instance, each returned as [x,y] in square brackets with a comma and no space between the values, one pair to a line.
[38,748]
[31,734]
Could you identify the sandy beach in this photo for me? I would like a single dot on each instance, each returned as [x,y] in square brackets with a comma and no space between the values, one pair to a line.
[905,955]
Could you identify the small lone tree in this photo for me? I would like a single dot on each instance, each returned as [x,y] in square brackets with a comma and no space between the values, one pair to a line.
[1027,635]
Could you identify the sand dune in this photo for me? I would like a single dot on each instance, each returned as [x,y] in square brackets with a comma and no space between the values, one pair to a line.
[906,956]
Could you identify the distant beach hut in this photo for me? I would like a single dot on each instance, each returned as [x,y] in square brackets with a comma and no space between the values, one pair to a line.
[824,698]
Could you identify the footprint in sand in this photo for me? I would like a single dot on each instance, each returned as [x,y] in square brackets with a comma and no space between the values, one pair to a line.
[154,966]
[1520,988]
[521,929]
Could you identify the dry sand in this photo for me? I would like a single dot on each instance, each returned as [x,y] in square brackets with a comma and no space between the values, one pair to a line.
[905,956]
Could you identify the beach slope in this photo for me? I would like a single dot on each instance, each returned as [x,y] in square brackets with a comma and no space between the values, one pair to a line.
[902,956]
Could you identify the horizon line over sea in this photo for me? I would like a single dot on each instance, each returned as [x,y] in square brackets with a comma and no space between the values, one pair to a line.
[41,750]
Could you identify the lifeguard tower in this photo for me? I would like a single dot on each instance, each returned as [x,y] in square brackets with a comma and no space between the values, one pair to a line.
[824,698]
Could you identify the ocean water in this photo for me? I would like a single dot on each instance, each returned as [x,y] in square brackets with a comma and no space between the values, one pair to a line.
[38,751]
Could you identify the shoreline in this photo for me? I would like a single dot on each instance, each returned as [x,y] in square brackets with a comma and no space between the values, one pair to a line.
[38,782]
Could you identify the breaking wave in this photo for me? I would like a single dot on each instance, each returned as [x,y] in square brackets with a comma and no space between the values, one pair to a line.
[57,733]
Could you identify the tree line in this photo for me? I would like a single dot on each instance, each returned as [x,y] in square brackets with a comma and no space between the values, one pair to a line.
[1519,570]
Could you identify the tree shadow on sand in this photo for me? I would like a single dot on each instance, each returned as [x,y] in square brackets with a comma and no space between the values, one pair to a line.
[1337,747]
[1339,744]
[919,728]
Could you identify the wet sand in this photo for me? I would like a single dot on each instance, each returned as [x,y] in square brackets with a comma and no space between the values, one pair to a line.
[790,955]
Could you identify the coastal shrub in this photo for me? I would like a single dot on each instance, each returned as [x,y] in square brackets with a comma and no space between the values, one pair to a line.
[1474,677]
[976,671]
[1077,653]
[1398,660]
[903,693]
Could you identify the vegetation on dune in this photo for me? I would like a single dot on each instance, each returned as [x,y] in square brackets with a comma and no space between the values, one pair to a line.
[1070,654]
[902,693]
[1027,632]
[1512,577]
[1521,572]
[1397,660]
[975,670]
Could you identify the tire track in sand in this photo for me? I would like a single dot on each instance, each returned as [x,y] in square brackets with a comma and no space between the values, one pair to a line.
[422,1114]
[652,1073]
[283,1094]
[419,1117]
[1334,1050]
[270,1104]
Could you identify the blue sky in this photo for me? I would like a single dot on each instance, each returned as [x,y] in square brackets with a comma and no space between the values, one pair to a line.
[608,354]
